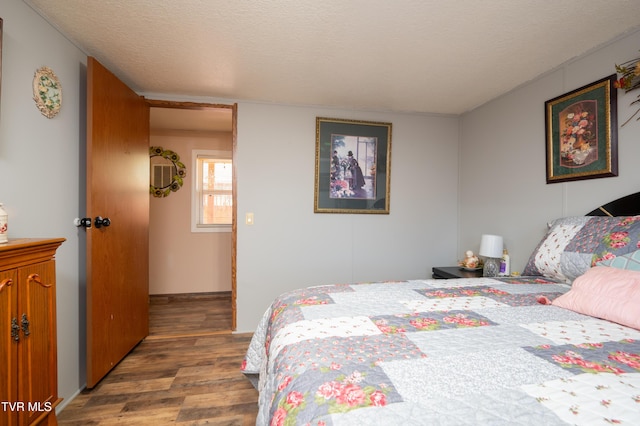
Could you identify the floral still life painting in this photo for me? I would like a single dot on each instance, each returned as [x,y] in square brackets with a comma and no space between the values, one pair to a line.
[581,133]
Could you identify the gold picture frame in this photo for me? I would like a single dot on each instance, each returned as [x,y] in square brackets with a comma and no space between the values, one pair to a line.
[582,133]
[353,166]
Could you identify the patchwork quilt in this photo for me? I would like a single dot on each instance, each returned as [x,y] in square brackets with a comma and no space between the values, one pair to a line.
[441,352]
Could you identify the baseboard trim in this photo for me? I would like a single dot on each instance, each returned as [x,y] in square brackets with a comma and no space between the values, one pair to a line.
[67,401]
[187,296]
[185,335]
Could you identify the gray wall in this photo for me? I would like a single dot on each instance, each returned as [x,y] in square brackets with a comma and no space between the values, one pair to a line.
[40,166]
[290,247]
[502,162]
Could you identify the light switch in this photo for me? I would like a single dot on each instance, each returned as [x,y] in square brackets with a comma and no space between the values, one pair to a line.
[249,219]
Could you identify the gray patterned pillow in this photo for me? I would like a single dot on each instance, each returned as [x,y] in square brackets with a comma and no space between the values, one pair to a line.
[574,244]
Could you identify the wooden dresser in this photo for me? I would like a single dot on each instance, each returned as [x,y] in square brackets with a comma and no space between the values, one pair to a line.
[28,354]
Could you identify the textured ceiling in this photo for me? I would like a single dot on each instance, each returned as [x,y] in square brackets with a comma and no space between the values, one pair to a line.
[430,56]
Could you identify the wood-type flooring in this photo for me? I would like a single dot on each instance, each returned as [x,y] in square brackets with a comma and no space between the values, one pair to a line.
[187,372]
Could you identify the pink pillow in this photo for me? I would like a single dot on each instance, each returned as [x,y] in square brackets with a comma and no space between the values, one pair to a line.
[609,293]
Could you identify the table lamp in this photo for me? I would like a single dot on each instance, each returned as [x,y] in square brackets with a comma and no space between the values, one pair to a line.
[491,249]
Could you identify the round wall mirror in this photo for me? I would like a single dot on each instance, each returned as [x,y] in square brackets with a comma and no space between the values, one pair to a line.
[167,172]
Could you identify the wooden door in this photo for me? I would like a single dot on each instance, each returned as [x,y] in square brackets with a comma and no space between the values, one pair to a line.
[117,189]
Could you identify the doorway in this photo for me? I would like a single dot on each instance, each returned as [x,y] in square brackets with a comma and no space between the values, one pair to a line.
[191,266]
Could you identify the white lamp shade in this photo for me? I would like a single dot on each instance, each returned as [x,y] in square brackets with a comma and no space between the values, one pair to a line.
[491,246]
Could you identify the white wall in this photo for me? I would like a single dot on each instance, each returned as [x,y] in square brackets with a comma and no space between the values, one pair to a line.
[39,167]
[181,261]
[502,158]
[290,247]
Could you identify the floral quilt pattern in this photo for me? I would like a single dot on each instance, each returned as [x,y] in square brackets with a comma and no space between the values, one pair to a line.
[574,244]
[464,351]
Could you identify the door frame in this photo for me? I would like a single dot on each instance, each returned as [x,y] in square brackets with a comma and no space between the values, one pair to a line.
[154,103]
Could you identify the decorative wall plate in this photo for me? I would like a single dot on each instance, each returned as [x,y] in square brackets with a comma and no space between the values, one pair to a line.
[47,92]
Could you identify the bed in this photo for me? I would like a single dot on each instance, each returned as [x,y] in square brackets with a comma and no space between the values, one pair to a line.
[559,345]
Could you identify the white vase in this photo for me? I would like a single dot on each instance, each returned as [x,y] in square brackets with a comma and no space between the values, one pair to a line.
[4,219]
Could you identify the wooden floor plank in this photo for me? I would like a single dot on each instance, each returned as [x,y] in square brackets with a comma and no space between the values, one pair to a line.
[187,372]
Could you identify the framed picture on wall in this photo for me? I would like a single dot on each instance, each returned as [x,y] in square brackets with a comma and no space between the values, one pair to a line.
[353,166]
[0,55]
[581,133]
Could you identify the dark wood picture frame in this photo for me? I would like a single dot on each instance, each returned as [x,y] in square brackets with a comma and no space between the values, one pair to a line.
[353,166]
[1,57]
[582,133]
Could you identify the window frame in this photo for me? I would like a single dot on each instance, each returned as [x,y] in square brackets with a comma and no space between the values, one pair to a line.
[195,198]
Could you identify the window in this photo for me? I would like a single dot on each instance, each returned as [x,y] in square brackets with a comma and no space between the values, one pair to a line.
[212,191]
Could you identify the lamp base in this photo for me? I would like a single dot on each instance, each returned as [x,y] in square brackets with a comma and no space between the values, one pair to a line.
[491,267]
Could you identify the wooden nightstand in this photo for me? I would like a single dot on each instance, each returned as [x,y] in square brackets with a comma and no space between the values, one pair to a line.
[447,272]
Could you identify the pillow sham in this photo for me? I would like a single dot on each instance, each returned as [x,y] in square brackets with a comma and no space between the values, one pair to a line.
[545,259]
[608,293]
[629,261]
[572,245]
